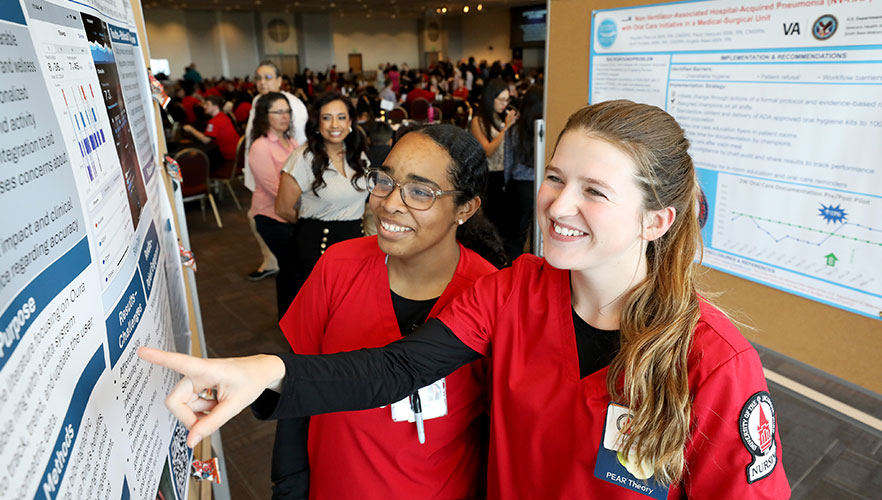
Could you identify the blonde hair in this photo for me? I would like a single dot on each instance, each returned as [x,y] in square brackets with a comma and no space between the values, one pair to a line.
[660,313]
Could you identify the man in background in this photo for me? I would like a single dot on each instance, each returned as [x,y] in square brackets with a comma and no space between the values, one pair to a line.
[220,128]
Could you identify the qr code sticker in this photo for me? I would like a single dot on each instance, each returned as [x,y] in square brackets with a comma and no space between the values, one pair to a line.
[179,456]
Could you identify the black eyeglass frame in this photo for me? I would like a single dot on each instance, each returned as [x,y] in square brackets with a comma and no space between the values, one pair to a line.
[436,193]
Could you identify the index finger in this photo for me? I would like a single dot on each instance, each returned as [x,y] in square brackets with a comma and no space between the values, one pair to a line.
[180,363]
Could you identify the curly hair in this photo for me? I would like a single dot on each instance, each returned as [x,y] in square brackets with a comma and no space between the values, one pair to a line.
[354,143]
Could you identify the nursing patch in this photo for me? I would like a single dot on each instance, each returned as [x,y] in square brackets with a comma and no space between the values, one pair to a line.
[615,467]
[757,429]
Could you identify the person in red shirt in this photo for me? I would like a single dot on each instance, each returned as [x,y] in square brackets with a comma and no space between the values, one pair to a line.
[242,110]
[421,92]
[189,102]
[220,129]
[612,377]
[393,281]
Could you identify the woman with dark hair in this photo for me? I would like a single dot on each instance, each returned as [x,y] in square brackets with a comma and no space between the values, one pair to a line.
[421,257]
[519,172]
[488,126]
[322,187]
[271,145]
[612,376]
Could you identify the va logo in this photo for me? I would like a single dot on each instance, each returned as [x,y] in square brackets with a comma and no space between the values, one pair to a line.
[824,27]
[791,29]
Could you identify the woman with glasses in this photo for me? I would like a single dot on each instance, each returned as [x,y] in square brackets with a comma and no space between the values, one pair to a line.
[494,117]
[271,145]
[367,292]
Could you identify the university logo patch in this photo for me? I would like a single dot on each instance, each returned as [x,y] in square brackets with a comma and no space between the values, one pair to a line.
[757,429]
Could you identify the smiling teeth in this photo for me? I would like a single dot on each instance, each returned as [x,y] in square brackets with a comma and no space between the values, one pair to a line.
[567,232]
[393,228]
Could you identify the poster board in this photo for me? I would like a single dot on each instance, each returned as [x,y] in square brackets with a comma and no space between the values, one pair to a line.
[89,266]
[780,103]
[842,343]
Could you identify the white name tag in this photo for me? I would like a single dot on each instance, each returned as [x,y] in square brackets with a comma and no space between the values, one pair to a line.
[616,418]
[433,399]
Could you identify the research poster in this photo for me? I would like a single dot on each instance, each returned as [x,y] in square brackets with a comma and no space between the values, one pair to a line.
[782,104]
[89,267]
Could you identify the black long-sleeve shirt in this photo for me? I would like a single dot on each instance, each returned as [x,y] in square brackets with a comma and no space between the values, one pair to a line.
[368,378]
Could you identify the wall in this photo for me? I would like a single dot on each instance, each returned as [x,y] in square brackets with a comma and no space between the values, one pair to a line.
[534,57]
[237,30]
[453,32]
[167,38]
[284,47]
[485,29]
[220,43]
[204,41]
[840,343]
[228,43]
[316,40]
[392,40]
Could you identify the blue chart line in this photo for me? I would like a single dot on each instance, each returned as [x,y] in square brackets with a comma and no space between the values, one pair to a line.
[828,234]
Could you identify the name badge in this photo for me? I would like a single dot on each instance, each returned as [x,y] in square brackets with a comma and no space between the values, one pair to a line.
[625,471]
[434,402]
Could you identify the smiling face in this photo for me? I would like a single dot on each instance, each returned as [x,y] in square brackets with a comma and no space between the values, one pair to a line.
[402,231]
[590,207]
[334,122]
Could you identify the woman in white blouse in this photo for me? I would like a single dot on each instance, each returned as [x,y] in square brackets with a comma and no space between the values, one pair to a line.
[322,186]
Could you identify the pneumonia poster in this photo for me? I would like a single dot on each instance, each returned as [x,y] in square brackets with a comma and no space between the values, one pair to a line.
[782,104]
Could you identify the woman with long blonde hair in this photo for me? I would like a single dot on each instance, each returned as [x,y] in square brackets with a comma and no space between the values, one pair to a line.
[611,376]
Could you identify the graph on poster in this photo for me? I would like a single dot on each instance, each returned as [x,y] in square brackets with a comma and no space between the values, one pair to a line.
[824,234]
[80,109]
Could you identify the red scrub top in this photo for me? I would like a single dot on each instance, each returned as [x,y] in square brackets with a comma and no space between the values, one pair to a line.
[547,424]
[346,304]
[221,129]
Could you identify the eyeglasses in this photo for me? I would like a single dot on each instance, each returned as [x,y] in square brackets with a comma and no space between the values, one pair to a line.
[416,195]
[265,77]
[500,99]
[280,112]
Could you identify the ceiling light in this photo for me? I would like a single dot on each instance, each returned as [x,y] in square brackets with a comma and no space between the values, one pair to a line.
[465,9]
[438,10]
[480,7]
[444,10]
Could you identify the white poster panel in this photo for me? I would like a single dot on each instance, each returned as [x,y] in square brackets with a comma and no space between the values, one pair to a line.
[782,104]
[84,262]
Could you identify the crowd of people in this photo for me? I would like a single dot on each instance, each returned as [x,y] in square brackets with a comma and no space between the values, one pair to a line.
[432,359]
[220,112]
